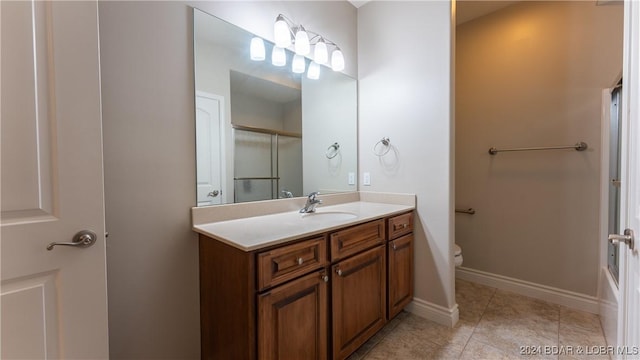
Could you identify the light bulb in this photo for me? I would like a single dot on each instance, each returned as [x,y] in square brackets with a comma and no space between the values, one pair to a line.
[302,42]
[281,32]
[278,56]
[298,65]
[314,71]
[320,54]
[257,49]
[337,60]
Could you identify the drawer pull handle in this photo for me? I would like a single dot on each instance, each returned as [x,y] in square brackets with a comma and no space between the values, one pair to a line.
[339,272]
[400,226]
[299,261]
[393,245]
[325,278]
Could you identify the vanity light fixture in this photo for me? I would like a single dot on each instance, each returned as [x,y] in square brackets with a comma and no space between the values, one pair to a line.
[282,32]
[257,49]
[301,44]
[278,56]
[286,33]
[337,60]
[298,65]
[320,54]
[314,71]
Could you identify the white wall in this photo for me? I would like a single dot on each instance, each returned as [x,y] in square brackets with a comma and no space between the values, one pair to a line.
[149,153]
[405,79]
[325,123]
[532,75]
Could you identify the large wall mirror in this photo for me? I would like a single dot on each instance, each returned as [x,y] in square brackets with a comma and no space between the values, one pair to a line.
[263,132]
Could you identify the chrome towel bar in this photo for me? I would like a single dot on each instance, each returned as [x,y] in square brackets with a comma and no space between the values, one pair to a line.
[580,146]
[469,211]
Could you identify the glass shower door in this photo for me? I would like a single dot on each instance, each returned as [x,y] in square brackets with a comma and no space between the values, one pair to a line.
[267,165]
[614,177]
[253,166]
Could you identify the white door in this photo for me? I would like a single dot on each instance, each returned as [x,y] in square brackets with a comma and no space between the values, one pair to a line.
[629,319]
[209,131]
[53,303]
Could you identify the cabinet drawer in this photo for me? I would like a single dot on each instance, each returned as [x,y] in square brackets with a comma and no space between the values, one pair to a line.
[357,238]
[290,261]
[400,225]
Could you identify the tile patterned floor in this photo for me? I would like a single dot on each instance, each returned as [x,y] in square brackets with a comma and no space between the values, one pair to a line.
[494,324]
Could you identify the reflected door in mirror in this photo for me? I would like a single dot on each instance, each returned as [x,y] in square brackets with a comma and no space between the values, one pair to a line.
[209,122]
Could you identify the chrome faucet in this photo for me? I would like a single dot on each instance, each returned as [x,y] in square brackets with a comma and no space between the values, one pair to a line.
[312,202]
[286,194]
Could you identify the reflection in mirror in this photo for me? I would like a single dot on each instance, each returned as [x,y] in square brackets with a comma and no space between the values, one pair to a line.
[263,132]
[267,127]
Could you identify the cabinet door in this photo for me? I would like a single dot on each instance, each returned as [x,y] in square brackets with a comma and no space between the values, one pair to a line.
[400,274]
[292,320]
[359,300]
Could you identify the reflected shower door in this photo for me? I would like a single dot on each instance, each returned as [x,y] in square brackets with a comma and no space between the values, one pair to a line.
[289,165]
[253,166]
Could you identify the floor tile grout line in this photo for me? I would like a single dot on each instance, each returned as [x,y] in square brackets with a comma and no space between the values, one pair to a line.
[478,322]
[482,316]
[382,337]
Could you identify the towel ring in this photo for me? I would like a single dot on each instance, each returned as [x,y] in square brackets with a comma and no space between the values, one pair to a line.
[382,147]
[332,150]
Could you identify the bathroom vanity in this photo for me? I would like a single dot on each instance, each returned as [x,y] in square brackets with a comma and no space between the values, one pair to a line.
[303,286]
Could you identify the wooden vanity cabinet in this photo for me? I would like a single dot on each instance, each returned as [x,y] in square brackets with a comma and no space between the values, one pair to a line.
[358,300]
[399,263]
[227,301]
[256,304]
[318,298]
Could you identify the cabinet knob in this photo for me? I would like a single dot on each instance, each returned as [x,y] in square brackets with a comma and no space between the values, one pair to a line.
[339,272]
[393,246]
[325,278]
[300,261]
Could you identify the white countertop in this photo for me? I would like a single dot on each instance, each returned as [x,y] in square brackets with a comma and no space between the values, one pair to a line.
[253,233]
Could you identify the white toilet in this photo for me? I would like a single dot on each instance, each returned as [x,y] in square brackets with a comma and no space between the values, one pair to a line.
[458,255]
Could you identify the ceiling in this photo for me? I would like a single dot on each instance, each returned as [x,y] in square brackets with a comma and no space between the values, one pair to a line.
[264,89]
[466,10]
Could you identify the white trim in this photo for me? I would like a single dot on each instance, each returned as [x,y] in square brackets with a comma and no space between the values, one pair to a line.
[434,312]
[609,299]
[629,312]
[550,294]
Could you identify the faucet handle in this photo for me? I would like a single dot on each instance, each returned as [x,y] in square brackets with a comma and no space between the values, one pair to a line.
[312,196]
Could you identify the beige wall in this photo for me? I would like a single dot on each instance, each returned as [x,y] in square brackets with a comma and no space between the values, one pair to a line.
[531,75]
[405,77]
[149,154]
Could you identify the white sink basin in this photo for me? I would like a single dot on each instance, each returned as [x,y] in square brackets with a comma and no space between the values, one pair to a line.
[328,216]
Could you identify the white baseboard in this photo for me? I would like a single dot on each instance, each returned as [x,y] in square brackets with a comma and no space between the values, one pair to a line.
[433,312]
[550,294]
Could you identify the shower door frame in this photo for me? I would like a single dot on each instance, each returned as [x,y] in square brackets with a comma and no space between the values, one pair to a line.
[606,177]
